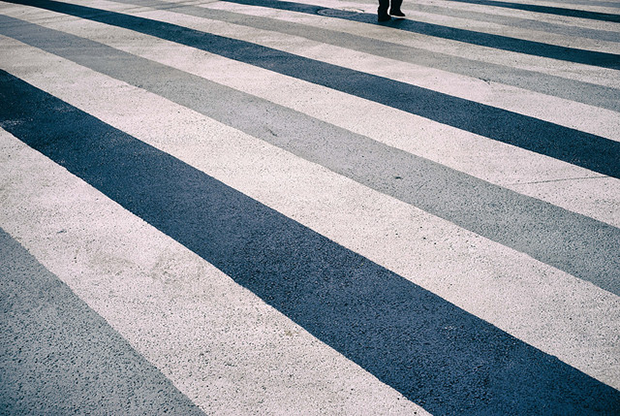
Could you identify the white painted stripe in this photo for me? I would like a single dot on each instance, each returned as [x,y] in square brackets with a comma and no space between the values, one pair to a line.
[549,309]
[587,118]
[413,12]
[572,22]
[580,190]
[372,5]
[574,115]
[563,5]
[515,32]
[568,70]
[219,344]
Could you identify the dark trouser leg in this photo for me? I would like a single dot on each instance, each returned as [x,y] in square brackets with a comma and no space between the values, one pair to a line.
[396,6]
[383,6]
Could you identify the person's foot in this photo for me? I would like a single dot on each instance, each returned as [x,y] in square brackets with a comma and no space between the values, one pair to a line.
[397,14]
[384,18]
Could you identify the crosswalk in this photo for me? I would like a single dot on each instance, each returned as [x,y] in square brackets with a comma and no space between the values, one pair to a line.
[274,207]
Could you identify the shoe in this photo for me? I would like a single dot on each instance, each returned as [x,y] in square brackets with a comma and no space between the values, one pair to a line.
[397,14]
[384,18]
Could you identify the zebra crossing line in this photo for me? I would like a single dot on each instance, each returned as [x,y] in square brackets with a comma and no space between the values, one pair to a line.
[542,306]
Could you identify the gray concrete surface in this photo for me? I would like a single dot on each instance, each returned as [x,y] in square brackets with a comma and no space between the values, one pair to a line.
[59,356]
[283,208]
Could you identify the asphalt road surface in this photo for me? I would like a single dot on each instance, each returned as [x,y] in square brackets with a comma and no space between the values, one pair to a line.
[260,207]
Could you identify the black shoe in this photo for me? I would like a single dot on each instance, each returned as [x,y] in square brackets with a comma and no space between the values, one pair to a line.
[384,18]
[397,14]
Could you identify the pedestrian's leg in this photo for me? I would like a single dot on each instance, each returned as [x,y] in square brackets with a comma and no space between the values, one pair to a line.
[383,10]
[395,9]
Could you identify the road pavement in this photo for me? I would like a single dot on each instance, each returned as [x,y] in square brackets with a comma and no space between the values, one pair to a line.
[260,207]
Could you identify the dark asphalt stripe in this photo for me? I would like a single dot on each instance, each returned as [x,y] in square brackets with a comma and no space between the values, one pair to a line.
[569,145]
[506,43]
[59,357]
[434,353]
[530,24]
[610,4]
[558,11]
[571,242]
[587,93]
